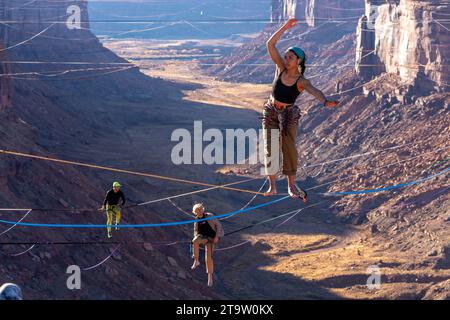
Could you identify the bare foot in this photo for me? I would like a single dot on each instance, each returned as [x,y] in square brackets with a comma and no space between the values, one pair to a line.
[210,280]
[195,265]
[292,192]
[299,192]
[270,192]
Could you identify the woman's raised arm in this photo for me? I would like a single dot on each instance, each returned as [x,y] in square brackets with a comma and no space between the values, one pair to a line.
[271,43]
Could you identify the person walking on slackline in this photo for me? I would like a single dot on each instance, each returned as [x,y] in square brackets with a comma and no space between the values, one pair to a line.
[280,111]
[112,206]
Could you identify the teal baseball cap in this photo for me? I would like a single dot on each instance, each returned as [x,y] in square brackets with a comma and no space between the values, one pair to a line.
[298,52]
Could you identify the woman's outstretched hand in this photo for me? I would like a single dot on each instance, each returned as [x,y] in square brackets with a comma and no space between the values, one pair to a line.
[331,104]
[290,23]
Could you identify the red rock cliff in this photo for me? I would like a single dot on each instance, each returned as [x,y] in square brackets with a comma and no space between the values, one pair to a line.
[408,38]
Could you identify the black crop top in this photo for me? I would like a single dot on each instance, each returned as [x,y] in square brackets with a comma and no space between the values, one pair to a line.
[283,93]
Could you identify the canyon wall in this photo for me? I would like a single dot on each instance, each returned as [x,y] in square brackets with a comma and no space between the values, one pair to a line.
[314,11]
[407,38]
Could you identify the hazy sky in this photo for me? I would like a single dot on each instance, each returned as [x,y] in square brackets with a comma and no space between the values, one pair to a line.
[177,19]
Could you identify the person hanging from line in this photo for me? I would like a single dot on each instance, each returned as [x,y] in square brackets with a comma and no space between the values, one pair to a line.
[207,233]
[112,206]
[281,113]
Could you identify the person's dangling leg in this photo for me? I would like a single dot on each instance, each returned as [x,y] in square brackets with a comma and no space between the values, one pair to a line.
[196,251]
[209,247]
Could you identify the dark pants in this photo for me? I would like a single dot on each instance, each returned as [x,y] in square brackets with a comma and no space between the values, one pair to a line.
[286,121]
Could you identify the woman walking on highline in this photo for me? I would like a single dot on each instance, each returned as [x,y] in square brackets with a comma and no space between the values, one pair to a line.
[281,114]
[112,206]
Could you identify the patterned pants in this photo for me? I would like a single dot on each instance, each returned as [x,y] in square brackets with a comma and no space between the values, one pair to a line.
[286,121]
